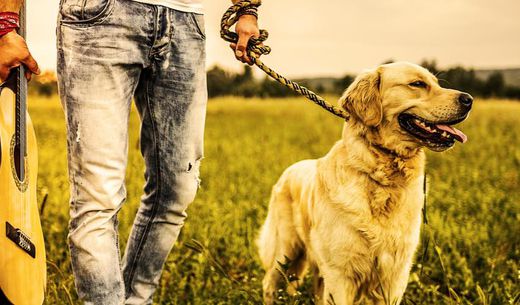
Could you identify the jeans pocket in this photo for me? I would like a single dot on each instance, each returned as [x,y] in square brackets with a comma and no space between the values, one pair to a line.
[85,12]
[198,23]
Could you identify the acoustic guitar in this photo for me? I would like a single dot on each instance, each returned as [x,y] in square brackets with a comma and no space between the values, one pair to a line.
[22,250]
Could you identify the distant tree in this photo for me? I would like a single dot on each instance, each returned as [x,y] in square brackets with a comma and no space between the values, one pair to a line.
[461,79]
[246,89]
[320,89]
[494,85]
[431,65]
[341,84]
[512,92]
[45,84]
[388,61]
[245,84]
[219,82]
[246,76]
[271,88]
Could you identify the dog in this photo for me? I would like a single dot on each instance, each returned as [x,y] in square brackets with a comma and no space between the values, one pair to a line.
[353,216]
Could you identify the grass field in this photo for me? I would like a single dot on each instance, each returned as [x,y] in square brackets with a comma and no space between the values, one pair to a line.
[473,253]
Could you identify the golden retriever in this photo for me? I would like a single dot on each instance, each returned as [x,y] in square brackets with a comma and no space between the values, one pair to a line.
[354,215]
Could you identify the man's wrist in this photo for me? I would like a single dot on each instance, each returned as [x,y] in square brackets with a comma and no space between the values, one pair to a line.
[5,37]
[11,6]
[252,18]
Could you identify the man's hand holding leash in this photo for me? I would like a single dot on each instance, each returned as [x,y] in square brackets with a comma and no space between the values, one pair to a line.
[246,27]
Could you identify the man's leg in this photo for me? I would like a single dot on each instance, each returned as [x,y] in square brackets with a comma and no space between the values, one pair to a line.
[99,67]
[171,99]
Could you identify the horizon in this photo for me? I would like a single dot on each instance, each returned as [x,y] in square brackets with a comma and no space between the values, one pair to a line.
[259,73]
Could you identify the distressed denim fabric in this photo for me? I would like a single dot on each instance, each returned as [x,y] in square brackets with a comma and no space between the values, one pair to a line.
[110,51]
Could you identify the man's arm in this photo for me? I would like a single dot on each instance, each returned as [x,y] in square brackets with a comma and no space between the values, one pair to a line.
[13,49]
[246,27]
[10,6]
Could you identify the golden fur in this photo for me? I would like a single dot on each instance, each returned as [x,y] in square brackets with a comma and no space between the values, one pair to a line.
[354,215]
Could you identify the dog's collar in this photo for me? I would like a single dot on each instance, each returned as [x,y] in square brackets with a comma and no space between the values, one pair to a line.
[380,149]
[385,150]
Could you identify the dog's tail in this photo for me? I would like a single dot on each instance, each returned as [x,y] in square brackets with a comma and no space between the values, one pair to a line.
[266,242]
[275,231]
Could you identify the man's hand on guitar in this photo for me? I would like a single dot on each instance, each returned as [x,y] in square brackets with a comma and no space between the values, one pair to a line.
[13,53]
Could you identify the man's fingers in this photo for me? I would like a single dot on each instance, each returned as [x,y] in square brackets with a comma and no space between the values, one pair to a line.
[240,48]
[242,45]
[31,64]
[28,75]
[233,47]
[241,52]
[4,73]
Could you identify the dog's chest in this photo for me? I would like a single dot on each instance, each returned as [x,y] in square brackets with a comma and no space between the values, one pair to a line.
[392,230]
[388,217]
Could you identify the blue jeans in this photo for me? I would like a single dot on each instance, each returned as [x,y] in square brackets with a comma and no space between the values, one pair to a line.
[110,51]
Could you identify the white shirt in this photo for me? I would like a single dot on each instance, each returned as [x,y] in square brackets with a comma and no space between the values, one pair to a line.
[190,6]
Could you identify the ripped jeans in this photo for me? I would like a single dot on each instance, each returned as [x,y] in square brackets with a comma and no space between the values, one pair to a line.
[110,51]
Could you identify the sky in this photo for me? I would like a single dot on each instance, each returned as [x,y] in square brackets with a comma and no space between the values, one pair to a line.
[335,37]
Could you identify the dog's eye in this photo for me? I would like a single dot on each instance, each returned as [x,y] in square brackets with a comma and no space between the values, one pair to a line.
[418,84]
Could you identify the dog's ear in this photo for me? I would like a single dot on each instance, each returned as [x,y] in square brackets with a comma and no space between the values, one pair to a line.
[362,99]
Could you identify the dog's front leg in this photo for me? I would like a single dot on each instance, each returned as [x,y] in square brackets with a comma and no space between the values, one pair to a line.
[395,290]
[338,289]
[393,284]
[270,284]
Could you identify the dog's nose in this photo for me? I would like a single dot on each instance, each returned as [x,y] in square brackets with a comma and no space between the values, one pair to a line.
[466,100]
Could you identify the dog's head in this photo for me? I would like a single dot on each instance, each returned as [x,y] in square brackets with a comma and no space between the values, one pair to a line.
[402,107]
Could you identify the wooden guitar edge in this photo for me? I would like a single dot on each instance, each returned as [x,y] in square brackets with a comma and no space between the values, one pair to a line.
[4,299]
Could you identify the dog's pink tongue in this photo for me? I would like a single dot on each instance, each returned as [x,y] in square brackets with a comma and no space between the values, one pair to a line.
[459,135]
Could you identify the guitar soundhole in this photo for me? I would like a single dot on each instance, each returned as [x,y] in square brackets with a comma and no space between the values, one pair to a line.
[19,164]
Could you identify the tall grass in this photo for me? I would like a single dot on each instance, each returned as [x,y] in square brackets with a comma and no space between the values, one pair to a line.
[473,234]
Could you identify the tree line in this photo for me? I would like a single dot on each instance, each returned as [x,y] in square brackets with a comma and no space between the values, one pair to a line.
[222,83]
[467,80]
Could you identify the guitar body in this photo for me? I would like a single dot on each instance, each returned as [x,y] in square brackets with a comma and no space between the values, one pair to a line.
[22,251]
[22,277]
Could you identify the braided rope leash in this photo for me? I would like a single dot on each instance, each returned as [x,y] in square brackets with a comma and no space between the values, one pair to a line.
[255,49]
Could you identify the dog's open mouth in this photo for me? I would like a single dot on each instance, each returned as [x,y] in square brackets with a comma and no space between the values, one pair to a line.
[434,135]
